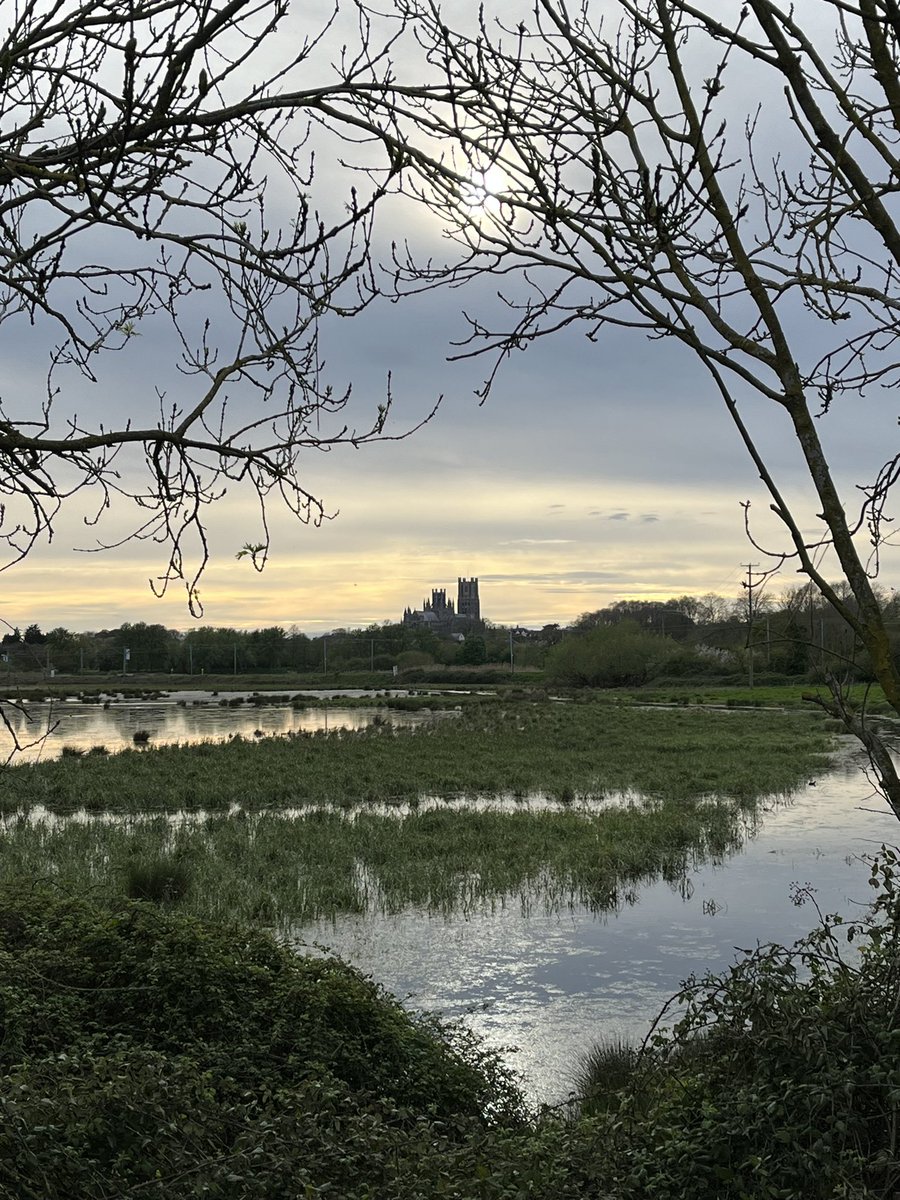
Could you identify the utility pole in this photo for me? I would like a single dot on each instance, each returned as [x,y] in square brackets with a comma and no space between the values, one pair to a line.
[749,585]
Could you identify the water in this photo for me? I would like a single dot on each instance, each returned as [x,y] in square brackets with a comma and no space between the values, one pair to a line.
[550,985]
[180,717]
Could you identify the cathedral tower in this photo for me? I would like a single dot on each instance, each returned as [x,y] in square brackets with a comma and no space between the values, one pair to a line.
[467,602]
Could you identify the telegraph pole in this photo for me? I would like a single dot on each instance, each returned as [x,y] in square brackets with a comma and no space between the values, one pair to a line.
[749,585]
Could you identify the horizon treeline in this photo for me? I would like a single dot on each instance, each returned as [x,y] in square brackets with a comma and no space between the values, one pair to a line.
[789,633]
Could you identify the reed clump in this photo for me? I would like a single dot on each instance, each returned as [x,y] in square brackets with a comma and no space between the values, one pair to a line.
[164,880]
[603,1073]
[286,868]
[302,827]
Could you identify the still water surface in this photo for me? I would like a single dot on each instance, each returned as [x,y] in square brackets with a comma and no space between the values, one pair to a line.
[182,717]
[550,985]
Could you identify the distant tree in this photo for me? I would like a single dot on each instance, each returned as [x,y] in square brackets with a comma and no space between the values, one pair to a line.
[664,617]
[791,650]
[33,635]
[591,620]
[473,651]
[268,648]
[616,655]
[711,608]
[301,651]
[207,649]
[425,639]
[65,648]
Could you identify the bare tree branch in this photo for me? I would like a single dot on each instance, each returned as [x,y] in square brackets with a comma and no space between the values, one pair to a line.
[156,161]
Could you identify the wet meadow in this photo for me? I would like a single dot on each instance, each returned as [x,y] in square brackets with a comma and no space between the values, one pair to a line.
[493,816]
[546,803]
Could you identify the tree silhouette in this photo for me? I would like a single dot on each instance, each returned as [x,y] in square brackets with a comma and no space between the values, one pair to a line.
[155,173]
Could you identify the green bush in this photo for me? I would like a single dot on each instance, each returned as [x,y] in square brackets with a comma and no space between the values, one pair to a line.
[141,1049]
[231,998]
[619,655]
[782,1079]
[146,1054]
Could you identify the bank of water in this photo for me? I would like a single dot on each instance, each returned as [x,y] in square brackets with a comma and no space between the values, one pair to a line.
[547,985]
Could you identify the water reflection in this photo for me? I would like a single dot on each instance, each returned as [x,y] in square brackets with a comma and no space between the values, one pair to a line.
[184,717]
[551,984]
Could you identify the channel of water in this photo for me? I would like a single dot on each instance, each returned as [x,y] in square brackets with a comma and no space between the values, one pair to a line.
[182,718]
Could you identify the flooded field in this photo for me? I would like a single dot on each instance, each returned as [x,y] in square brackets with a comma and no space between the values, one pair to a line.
[549,873]
[183,718]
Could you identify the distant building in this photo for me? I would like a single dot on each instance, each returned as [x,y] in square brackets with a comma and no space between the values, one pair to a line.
[439,614]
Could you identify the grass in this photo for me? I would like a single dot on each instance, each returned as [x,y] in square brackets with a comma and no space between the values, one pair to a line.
[289,829]
[566,751]
[283,869]
[163,879]
[788,695]
[603,1073]
[31,686]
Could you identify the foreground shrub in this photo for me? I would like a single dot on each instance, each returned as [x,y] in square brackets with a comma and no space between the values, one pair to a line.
[231,998]
[782,1079]
[140,1049]
[145,1054]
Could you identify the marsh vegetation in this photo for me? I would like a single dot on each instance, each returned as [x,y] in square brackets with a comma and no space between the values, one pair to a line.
[286,830]
[567,751]
[536,805]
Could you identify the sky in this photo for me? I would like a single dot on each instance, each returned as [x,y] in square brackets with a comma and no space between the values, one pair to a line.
[593,472]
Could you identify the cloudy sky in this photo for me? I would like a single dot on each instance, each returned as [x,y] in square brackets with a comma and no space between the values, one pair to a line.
[594,472]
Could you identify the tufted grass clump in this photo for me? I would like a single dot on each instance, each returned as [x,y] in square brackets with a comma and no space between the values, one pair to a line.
[603,1073]
[164,880]
[584,750]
